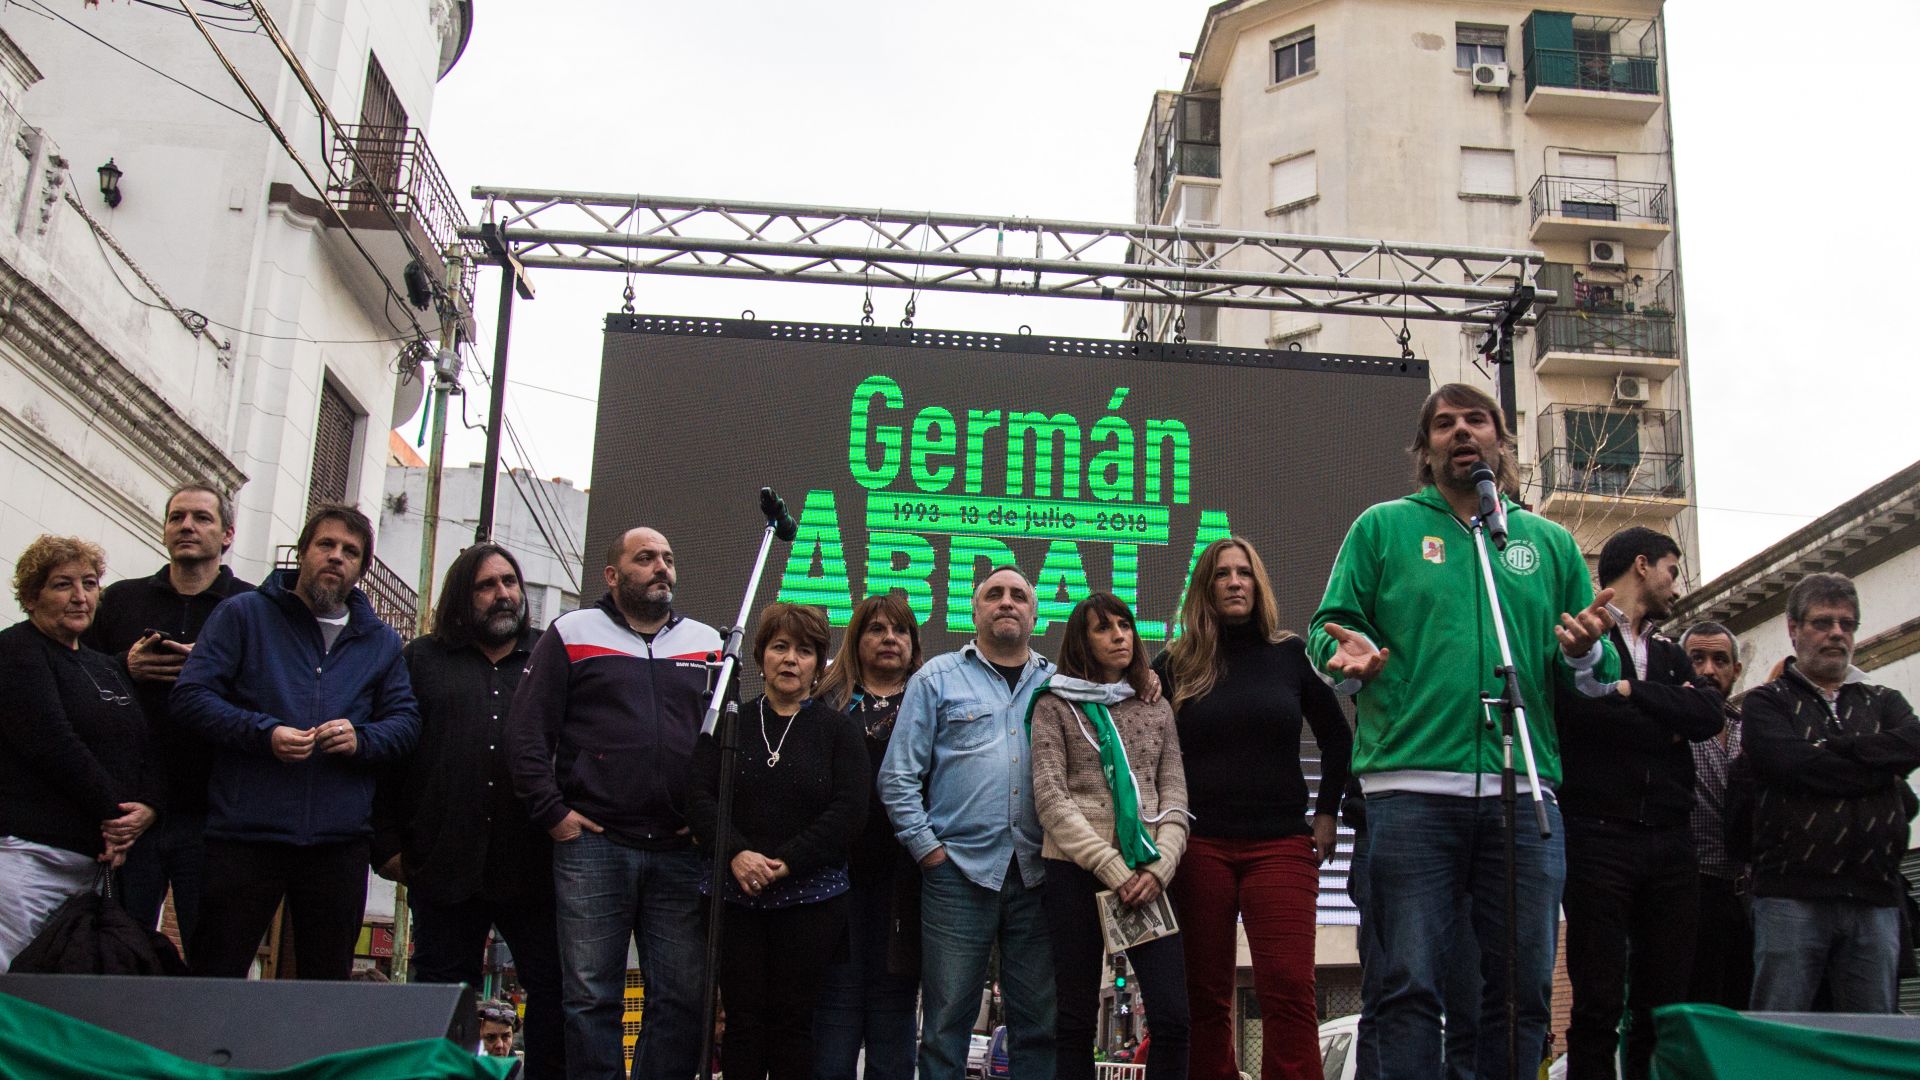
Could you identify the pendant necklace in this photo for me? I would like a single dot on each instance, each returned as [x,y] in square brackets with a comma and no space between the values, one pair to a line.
[773,748]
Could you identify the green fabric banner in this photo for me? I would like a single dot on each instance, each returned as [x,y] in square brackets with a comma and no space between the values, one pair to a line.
[37,1043]
[1707,1042]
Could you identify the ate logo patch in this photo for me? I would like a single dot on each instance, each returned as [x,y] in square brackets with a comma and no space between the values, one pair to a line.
[1521,557]
[1433,549]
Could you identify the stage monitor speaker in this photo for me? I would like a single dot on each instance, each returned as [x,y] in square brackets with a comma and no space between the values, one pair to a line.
[243,1024]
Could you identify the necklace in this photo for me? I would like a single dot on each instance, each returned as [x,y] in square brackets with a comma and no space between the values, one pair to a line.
[773,748]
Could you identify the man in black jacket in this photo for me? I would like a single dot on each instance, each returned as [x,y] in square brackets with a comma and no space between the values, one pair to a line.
[446,822]
[150,623]
[1626,795]
[1830,753]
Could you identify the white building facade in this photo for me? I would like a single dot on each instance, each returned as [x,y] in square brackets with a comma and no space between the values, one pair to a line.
[1469,122]
[217,324]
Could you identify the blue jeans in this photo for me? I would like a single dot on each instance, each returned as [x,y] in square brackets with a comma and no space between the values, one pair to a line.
[172,853]
[1461,993]
[861,1002]
[1435,860]
[605,895]
[1855,947]
[959,921]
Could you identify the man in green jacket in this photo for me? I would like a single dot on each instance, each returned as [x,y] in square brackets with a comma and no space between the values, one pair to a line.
[1406,618]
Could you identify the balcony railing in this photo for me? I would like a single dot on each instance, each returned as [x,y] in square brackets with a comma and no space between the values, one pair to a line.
[396,602]
[1579,197]
[1615,476]
[1621,334]
[396,167]
[1578,69]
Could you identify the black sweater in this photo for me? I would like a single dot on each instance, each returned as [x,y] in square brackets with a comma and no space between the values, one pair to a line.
[805,811]
[1627,759]
[128,609]
[1241,742]
[67,758]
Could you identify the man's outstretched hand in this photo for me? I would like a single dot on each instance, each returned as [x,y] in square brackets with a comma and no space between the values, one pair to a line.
[1357,658]
[1577,633]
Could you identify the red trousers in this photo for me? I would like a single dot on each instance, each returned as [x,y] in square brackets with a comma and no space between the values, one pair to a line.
[1271,885]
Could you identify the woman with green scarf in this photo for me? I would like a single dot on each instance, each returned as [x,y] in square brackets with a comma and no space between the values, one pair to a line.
[1112,797]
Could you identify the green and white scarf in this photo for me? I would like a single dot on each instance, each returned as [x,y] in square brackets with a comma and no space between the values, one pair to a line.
[1095,700]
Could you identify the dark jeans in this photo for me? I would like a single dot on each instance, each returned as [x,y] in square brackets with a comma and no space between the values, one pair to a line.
[172,854]
[1630,921]
[1078,952]
[449,943]
[1430,853]
[770,968]
[1461,993]
[606,895]
[959,922]
[1854,947]
[862,1003]
[324,886]
[1722,946]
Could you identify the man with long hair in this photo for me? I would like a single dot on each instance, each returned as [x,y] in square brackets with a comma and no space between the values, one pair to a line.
[447,823]
[1406,616]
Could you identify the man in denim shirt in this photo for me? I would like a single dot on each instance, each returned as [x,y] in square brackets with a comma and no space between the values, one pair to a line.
[958,788]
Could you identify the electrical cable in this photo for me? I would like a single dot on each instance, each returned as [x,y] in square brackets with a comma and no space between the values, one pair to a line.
[50,13]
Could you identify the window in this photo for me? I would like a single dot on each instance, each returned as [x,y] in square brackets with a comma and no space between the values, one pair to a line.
[332,448]
[382,138]
[1292,181]
[536,606]
[1603,449]
[1589,192]
[1486,172]
[1293,56]
[1479,45]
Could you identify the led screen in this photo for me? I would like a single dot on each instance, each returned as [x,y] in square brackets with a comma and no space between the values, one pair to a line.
[918,459]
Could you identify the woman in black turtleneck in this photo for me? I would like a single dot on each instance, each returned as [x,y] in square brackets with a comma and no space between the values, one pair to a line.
[1241,688]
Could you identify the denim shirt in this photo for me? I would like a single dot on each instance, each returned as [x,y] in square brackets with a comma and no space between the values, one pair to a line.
[957,771]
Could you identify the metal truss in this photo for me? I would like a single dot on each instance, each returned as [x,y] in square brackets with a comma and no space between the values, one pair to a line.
[1135,264]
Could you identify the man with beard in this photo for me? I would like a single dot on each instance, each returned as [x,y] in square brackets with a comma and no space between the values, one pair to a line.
[1405,615]
[1626,797]
[446,822]
[1723,941]
[601,742]
[958,787]
[151,624]
[302,690]
[1830,753]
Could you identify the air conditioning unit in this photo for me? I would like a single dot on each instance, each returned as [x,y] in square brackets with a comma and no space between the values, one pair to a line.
[1491,78]
[1606,253]
[1631,390]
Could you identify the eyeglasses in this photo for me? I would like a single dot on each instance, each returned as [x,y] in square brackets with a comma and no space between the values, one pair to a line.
[1826,623]
[106,695]
[496,1014]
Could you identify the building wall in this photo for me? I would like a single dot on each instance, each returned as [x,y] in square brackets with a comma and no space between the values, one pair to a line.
[291,296]
[552,581]
[1386,114]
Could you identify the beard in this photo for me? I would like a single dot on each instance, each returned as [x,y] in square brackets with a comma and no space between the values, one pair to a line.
[501,624]
[324,597]
[644,602]
[1827,668]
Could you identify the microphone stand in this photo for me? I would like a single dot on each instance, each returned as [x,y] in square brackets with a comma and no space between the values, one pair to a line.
[1513,720]
[723,723]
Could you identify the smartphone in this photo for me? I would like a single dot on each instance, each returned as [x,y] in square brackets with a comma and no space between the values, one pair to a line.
[161,634]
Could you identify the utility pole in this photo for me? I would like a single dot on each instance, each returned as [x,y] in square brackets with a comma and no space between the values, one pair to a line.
[446,379]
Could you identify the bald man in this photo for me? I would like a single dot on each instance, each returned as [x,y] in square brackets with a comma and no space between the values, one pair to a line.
[601,737]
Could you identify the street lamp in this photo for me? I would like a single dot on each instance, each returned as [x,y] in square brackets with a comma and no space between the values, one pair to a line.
[110,183]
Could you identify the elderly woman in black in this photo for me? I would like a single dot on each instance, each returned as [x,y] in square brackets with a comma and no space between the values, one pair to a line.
[799,800]
[76,788]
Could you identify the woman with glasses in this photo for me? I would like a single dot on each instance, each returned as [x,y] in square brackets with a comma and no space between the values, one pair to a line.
[76,785]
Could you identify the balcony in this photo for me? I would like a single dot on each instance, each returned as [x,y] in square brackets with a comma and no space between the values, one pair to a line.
[1594,67]
[1607,324]
[1634,213]
[1606,467]
[399,171]
[1187,145]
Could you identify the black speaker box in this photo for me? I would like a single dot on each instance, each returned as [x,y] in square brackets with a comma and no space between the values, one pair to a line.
[243,1024]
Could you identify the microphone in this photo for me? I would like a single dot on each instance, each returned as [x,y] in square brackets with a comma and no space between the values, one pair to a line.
[775,509]
[1492,514]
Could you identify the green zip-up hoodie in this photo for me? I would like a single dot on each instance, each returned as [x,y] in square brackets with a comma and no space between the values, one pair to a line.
[1408,578]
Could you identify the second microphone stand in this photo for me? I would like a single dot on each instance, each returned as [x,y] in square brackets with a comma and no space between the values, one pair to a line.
[1513,724]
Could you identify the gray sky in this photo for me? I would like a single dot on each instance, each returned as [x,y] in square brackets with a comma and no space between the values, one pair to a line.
[1790,164]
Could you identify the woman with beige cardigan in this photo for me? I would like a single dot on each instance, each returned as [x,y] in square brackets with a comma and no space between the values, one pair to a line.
[1112,797]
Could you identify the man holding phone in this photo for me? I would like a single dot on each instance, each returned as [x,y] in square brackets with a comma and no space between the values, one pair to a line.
[151,624]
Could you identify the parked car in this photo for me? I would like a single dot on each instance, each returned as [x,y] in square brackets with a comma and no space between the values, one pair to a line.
[1337,1037]
[977,1055]
[997,1055]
